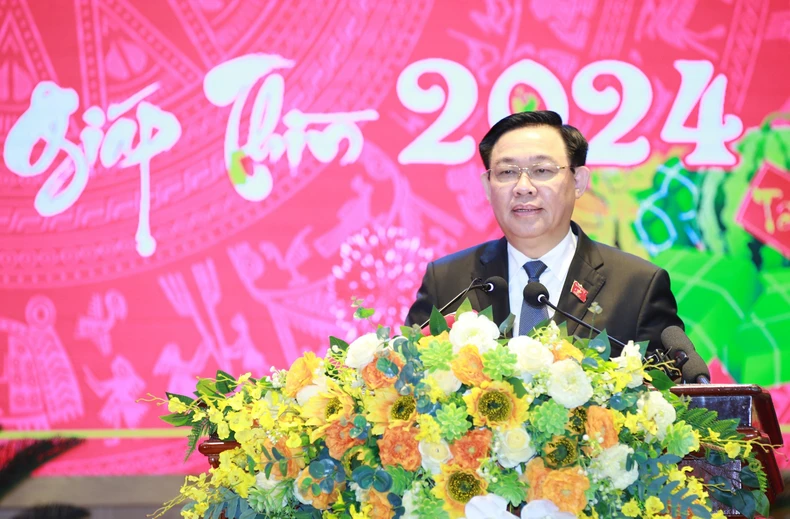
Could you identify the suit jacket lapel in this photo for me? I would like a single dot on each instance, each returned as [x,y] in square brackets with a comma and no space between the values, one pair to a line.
[584,269]
[493,262]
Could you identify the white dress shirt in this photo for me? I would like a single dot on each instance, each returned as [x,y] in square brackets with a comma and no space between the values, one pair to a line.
[557,260]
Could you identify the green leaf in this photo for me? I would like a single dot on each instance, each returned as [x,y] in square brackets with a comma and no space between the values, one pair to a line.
[386,366]
[206,387]
[177,419]
[276,454]
[465,307]
[488,312]
[339,343]
[660,380]
[601,345]
[225,382]
[437,323]
[283,466]
[383,333]
[382,481]
[401,479]
[363,476]
[749,478]
[761,504]
[509,487]
[518,386]
[233,507]
[507,325]
[363,313]
[267,470]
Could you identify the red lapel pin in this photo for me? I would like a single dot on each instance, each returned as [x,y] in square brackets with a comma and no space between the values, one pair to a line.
[579,291]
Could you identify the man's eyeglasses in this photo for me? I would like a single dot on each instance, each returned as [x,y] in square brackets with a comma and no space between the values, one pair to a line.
[507,174]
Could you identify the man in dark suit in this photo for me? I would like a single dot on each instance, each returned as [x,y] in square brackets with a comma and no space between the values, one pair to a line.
[535,173]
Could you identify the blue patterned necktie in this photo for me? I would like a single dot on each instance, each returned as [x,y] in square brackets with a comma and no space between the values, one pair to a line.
[530,316]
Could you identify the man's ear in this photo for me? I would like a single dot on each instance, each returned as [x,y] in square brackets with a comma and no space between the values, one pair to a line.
[581,179]
[486,185]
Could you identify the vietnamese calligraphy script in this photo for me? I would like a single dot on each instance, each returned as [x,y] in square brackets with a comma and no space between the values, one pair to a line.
[51,107]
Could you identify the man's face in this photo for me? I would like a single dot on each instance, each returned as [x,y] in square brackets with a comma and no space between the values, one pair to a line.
[534,215]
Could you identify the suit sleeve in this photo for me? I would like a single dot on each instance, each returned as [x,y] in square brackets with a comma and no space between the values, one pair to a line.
[427,298]
[659,310]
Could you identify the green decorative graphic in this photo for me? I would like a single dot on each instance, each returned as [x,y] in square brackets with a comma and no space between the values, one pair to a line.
[733,291]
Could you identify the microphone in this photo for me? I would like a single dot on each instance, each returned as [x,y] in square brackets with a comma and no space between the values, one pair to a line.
[537,295]
[492,284]
[680,349]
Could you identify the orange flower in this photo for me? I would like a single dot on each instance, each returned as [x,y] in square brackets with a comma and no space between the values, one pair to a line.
[294,457]
[375,379]
[399,446]
[566,350]
[322,501]
[534,475]
[600,423]
[338,439]
[471,448]
[301,374]
[468,366]
[382,508]
[565,488]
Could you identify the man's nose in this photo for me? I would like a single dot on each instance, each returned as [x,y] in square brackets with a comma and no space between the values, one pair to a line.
[524,184]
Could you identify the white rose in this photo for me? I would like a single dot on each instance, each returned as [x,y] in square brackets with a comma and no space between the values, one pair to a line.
[474,329]
[488,506]
[513,446]
[269,484]
[657,410]
[544,509]
[363,350]
[434,455]
[610,464]
[630,361]
[308,392]
[568,384]
[532,356]
[446,381]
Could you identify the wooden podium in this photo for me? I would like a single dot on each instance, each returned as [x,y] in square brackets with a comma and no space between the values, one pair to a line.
[754,408]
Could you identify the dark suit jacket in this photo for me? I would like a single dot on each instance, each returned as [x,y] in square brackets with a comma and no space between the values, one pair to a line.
[634,294]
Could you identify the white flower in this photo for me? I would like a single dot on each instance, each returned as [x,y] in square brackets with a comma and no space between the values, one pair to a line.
[489,506]
[446,381]
[532,356]
[474,329]
[544,509]
[269,484]
[657,410]
[513,446]
[630,361]
[568,384]
[610,464]
[434,455]
[363,350]
[410,499]
[308,392]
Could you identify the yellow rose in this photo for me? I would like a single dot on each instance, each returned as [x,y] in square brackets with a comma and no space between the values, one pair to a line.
[301,374]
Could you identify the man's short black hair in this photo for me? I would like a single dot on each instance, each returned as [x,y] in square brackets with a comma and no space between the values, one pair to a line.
[575,143]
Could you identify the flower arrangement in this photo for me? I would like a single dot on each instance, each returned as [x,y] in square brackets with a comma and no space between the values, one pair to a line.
[460,423]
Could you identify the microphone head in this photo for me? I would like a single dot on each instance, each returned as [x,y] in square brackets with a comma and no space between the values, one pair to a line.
[495,284]
[532,293]
[676,341]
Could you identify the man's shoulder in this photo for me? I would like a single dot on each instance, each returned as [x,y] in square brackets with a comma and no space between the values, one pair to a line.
[481,251]
[617,258]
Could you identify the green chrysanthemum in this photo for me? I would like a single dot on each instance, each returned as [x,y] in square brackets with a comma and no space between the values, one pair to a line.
[437,356]
[680,439]
[452,421]
[549,418]
[499,363]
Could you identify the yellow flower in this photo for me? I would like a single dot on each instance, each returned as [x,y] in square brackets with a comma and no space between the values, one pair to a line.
[301,374]
[236,402]
[387,408]
[732,449]
[174,405]
[429,429]
[565,350]
[714,436]
[326,407]
[424,342]
[468,366]
[496,405]
[631,509]
[653,505]
[455,486]
[240,421]
[223,431]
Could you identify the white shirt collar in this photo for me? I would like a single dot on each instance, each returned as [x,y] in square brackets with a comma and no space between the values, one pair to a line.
[557,260]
